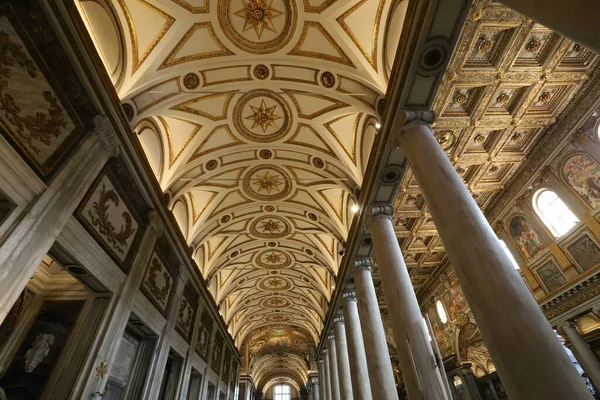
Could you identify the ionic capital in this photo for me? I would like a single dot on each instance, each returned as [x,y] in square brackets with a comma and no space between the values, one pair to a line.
[105,130]
[338,319]
[382,210]
[568,326]
[363,263]
[330,337]
[407,118]
[349,295]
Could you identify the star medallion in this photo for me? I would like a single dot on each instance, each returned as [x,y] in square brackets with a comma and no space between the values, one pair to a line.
[271,226]
[275,283]
[273,258]
[263,116]
[258,15]
[268,182]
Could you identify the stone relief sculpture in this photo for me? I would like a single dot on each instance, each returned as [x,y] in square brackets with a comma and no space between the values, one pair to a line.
[38,351]
[525,237]
[583,175]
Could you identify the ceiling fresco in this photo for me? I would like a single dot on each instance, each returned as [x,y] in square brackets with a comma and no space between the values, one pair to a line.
[257,118]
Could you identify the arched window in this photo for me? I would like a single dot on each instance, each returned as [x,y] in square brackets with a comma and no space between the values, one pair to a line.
[554,212]
[509,254]
[282,392]
[441,311]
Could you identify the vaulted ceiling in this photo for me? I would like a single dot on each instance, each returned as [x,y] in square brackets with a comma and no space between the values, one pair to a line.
[257,117]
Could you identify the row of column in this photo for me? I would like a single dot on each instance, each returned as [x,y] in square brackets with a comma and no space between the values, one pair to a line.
[528,357]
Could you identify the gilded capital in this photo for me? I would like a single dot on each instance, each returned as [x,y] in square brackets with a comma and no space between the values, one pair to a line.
[105,130]
[406,118]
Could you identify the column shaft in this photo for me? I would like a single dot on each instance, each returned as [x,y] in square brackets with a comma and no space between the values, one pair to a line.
[343,363]
[315,392]
[322,380]
[23,250]
[356,351]
[421,377]
[381,376]
[586,357]
[333,370]
[524,348]
[326,375]
[558,15]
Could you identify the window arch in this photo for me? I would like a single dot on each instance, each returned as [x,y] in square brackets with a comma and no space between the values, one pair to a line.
[441,311]
[554,212]
[509,254]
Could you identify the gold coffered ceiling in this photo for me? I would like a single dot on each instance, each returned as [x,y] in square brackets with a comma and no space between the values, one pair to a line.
[508,82]
[257,117]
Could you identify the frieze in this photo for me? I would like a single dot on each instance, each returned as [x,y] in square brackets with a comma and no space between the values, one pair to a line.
[572,298]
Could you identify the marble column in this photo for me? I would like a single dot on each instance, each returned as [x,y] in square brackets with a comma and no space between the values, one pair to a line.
[321,368]
[577,19]
[356,351]
[529,359]
[333,369]
[315,389]
[326,375]
[468,379]
[24,248]
[584,354]
[420,374]
[381,375]
[343,362]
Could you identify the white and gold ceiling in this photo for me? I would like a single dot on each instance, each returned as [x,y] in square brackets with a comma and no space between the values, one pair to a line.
[257,117]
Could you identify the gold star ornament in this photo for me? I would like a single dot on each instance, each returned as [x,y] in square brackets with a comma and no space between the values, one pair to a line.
[271,226]
[273,258]
[268,182]
[258,15]
[263,116]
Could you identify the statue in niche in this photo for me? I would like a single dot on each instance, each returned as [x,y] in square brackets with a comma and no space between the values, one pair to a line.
[38,351]
[583,175]
[526,238]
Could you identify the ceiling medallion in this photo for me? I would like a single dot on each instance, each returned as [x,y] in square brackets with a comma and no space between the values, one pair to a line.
[270,227]
[276,302]
[258,26]
[269,208]
[479,139]
[225,219]
[261,72]
[266,183]
[278,318]
[545,97]
[317,162]
[211,164]
[517,137]
[191,81]
[271,244]
[502,99]
[494,169]
[460,99]
[577,47]
[273,259]
[258,15]
[446,139]
[265,154]
[327,79]
[533,45]
[484,46]
[262,116]
[312,216]
[275,283]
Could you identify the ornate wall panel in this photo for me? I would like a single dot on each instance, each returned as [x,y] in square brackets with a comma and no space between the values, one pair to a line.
[203,340]
[187,312]
[217,353]
[158,284]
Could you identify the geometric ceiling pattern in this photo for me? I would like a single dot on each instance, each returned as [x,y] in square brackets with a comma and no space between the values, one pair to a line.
[257,118]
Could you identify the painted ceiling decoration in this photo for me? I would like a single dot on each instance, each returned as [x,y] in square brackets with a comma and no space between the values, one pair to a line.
[257,118]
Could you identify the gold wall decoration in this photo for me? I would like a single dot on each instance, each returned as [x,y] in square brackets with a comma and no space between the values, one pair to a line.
[261,71]
[191,81]
[270,226]
[327,79]
[158,283]
[273,259]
